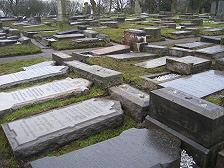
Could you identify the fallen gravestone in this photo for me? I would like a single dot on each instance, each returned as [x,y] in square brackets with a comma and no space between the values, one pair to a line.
[199,85]
[99,75]
[213,52]
[116,49]
[60,58]
[187,65]
[38,94]
[134,148]
[134,101]
[31,75]
[154,63]
[194,45]
[132,56]
[57,127]
[40,65]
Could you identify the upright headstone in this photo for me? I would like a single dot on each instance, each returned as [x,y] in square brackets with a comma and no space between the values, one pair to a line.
[213,8]
[220,10]
[138,9]
[61,10]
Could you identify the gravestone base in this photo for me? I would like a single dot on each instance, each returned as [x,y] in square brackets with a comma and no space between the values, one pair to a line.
[155,49]
[60,58]
[180,52]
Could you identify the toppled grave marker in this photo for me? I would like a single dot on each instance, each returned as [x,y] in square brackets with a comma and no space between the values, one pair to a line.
[38,94]
[116,49]
[51,129]
[134,148]
[134,101]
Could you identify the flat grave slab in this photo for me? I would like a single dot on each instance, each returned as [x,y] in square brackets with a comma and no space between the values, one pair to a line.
[154,63]
[212,39]
[180,52]
[182,34]
[31,75]
[57,127]
[199,85]
[99,75]
[132,56]
[134,148]
[194,45]
[156,49]
[40,65]
[69,32]
[68,36]
[41,93]
[187,65]
[88,40]
[219,64]
[7,42]
[116,49]
[134,101]
[213,52]
[61,57]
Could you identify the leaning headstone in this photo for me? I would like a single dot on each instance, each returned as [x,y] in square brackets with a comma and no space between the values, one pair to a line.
[116,49]
[134,148]
[187,65]
[213,52]
[53,128]
[134,101]
[154,63]
[38,94]
[199,85]
[31,75]
[60,58]
[99,75]
[132,56]
[39,65]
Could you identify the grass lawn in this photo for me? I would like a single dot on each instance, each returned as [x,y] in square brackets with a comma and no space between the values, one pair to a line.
[8,159]
[19,49]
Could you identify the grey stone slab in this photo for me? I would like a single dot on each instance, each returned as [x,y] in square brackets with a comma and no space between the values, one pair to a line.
[154,63]
[156,49]
[180,52]
[182,34]
[132,56]
[31,75]
[134,148]
[217,31]
[219,64]
[7,42]
[69,32]
[68,36]
[199,85]
[212,39]
[51,129]
[40,65]
[90,33]
[99,75]
[134,101]
[61,57]
[187,65]
[41,93]
[213,52]
[88,40]
[194,45]
[116,49]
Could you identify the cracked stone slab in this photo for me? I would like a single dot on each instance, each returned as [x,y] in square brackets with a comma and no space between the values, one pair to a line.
[33,95]
[57,127]
[40,65]
[134,148]
[134,101]
[31,75]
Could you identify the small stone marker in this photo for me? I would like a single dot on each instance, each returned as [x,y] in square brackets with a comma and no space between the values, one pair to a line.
[37,94]
[51,129]
[99,75]
[156,49]
[68,36]
[116,49]
[134,101]
[199,85]
[134,148]
[40,65]
[61,57]
[31,75]
[213,52]
[154,63]
[194,45]
[187,65]
[132,56]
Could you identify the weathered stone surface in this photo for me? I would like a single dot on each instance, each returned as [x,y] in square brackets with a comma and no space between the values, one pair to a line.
[116,49]
[87,40]
[31,75]
[154,34]
[187,65]
[155,49]
[68,36]
[212,39]
[199,85]
[219,64]
[154,63]
[220,159]
[61,57]
[113,24]
[37,94]
[134,101]
[195,118]
[180,52]
[132,56]
[69,32]
[7,42]
[24,40]
[213,31]
[40,65]
[182,34]
[99,75]
[51,129]
[213,52]
[90,33]
[134,148]
[194,45]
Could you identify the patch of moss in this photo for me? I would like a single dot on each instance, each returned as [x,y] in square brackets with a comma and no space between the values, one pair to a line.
[166,32]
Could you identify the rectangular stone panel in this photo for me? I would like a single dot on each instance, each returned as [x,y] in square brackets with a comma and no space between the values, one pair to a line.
[199,85]
[156,49]
[187,65]
[180,52]
[193,117]
[61,57]
[41,93]
[212,39]
[39,65]
[57,127]
[134,148]
[213,52]
[116,49]
[99,75]
[69,36]
[31,75]
[194,45]
[134,101]
[132,56]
